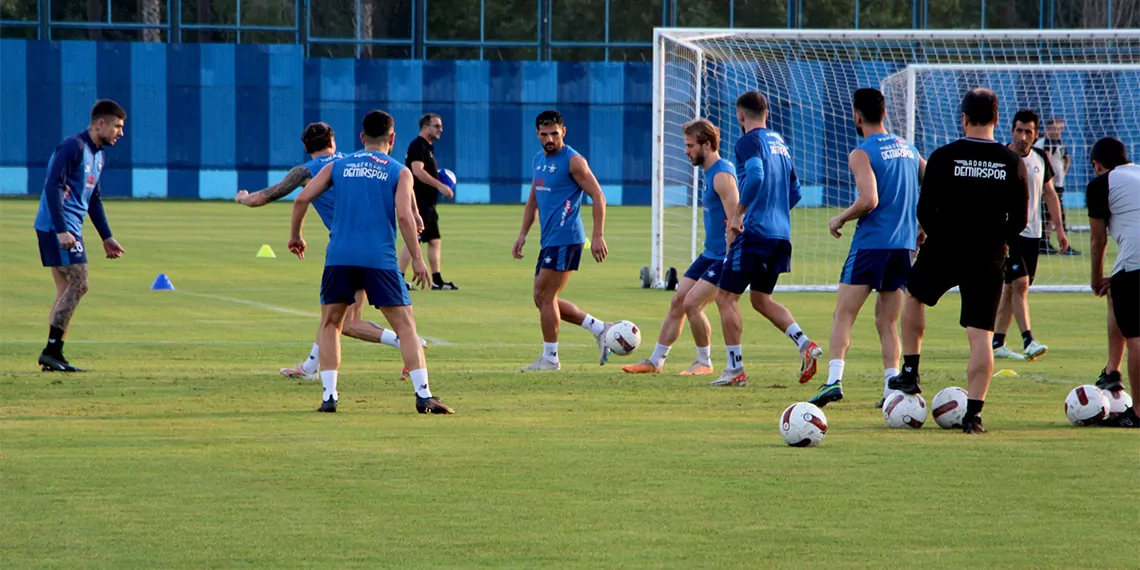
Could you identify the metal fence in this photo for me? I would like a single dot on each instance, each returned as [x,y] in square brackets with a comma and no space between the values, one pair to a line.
[560,30]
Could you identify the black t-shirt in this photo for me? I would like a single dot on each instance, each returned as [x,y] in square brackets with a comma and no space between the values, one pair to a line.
[420,150]
[975,196]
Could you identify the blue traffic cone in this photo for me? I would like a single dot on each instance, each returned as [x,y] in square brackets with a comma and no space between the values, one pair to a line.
[162,283]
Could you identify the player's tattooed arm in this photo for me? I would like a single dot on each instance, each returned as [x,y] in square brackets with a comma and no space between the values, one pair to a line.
[76,278]
[297,177]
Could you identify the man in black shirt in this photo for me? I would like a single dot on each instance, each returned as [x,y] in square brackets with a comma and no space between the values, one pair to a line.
[427,186]
[974,202]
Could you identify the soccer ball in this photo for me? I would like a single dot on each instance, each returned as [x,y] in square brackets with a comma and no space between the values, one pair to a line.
[803,425]
[623,338]
[949,407]
[448,177]
[1118,401]
[1085,405]
[904,410]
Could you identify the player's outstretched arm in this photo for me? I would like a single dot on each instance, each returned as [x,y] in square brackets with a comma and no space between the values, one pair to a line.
[297,177]
[317,186]
[580,170]
[1097,197]
[530,213]
[99,219]
[406,219]
[867,186]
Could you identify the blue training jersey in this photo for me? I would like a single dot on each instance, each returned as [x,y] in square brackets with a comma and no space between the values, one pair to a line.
[714,210]
[73,172]
[768,184]
[893,224]
[559,199]
[363,232]
[324,203]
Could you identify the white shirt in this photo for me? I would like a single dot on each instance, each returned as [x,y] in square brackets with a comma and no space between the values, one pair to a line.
[1057,153]
[1040,172]
[1115,196]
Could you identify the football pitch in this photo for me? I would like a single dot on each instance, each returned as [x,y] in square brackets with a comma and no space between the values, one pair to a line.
[184,448]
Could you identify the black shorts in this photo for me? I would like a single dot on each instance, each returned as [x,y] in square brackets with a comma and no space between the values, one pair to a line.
[1126,302]
[978,278]
[431,224]
[1022,259]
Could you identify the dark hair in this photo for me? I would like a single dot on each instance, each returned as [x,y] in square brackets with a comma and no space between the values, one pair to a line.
[1053,121]
[377,124]
[317,136]
[548,118]
[107,108]
[1109,152]
[753,103]
[427,118]
[980,106]
[869,103]
[1026,116]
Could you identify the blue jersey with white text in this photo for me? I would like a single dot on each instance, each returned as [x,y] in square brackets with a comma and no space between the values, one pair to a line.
[893,224]
[714,210]
[768,184]
[73,172]
[363,232]
[559,199]
[324,203]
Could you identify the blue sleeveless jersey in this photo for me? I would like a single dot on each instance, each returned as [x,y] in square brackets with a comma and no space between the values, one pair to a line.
[893,224]
[559,199]
[714,210]
[324,203]
[74,170]
[363,232]
[768,184]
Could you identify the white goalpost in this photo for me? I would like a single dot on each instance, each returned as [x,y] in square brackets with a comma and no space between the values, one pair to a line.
[1090,79]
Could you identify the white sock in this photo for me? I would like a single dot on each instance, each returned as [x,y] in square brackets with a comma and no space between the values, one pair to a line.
[797,335]
[313,363]
[659,355]
[593,325]
[887,375]
[834,371]
[704,355]
[420,382]
[328,380]
[735,357]
[389,338]
[550,352]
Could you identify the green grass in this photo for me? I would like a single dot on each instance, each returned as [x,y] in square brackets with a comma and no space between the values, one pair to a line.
[183,447]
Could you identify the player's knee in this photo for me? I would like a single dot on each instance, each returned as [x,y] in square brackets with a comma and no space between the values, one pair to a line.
[693,305]
[761,302]
[79,286]
[1020,285]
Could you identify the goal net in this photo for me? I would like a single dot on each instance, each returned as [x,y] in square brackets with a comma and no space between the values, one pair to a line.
[1090,79]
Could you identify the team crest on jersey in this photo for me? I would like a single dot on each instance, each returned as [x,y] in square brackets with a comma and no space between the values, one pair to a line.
[90,180]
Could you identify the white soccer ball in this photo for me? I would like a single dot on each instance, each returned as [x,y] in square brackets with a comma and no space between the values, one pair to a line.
[904,410]
[803,425]
[949,407]
[1118,402]
[1085,405]
[623,338]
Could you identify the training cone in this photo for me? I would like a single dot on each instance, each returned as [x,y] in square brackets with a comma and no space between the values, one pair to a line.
[1005,373]
[162,283]
[266,251]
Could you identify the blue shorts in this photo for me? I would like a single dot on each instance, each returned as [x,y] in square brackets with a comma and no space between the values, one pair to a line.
[384,287]
[559,258]
[882,269]
[707,268]
[755,263]
[54,256]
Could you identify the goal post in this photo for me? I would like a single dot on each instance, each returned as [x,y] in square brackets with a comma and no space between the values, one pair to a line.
[1088,78]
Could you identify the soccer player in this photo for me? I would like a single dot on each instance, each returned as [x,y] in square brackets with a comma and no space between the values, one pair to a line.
[421,159]
[561,177]
[71,191]
[978,183]
[759,235]
[320,142]
[1060,160]
[1021,264]
[374,196]
[888,171]
[699,285]
[1114,208]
